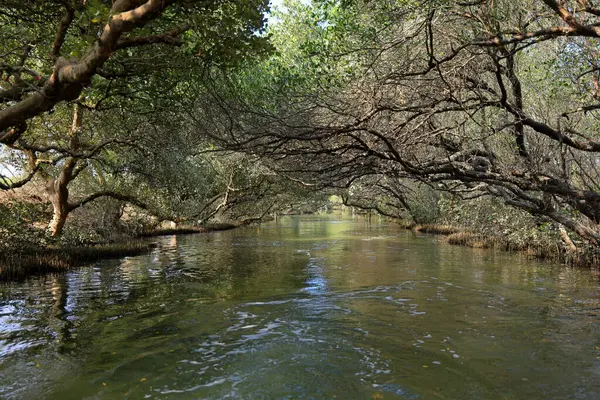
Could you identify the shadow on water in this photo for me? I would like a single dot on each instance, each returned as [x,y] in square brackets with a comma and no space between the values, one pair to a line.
[304,308]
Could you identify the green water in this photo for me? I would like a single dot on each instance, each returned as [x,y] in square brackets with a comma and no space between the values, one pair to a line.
[304,308]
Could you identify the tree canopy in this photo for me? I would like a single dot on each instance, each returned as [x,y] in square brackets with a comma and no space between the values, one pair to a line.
[473,99]
[181,106]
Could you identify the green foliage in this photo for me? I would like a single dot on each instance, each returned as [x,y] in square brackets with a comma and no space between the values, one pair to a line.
[98,222]
[18,227]
[133,139]
[424,205]
[491,218]
[389,102]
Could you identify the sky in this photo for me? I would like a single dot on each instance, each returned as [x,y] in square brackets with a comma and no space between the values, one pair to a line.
[279,4]
[274,4]
[5,170]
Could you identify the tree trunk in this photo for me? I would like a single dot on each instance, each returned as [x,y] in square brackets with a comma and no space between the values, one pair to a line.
[567,240]
[57,189]
[57,224]
[59,197]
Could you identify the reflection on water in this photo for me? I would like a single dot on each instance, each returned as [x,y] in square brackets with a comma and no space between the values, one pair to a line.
[304,308]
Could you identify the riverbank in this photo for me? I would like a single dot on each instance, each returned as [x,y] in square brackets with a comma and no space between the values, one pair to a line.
[19,264]
[557,251]
[34,261]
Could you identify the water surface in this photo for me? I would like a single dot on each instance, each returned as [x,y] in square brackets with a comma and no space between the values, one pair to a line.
[304,308]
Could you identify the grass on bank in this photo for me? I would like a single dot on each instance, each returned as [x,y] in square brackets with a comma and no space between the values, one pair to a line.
[437,229]
[35,261]
[585,256]
[546,250]
[18,264]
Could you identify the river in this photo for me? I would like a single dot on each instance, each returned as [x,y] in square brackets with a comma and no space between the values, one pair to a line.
[304,308]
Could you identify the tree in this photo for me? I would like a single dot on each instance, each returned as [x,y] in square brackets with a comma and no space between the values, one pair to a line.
[52,78]
[77,91]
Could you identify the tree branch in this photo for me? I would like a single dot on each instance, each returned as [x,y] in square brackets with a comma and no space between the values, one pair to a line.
[108,193]
[69,78]
[61,33]
[170,38]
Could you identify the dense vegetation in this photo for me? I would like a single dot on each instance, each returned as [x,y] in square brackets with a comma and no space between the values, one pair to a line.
[480,114]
